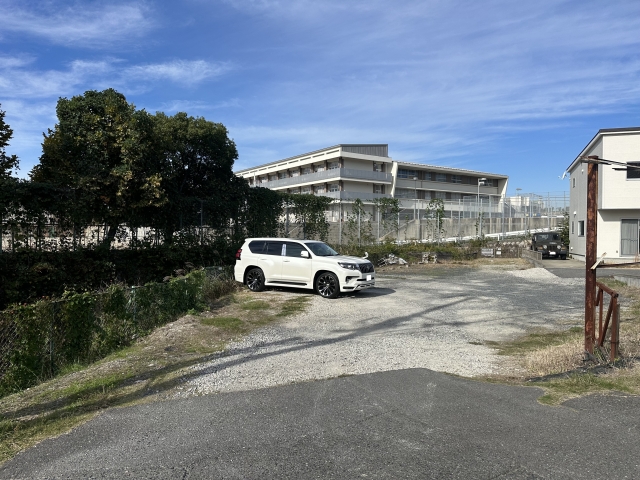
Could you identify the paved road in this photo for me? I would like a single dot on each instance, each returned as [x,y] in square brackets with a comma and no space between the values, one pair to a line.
[576,269]
[404,424]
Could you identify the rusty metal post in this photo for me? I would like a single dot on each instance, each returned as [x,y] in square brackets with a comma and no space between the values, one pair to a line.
[590,257]
[615,330]
[599,302]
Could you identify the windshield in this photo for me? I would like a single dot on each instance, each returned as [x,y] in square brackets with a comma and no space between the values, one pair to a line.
[321,249]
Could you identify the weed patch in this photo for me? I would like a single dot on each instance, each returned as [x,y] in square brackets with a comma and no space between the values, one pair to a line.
[151,369]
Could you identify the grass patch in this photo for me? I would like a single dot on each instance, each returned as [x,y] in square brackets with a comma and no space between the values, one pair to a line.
[225,323]
[254,305]
[147,371]
[293,306]
[558,357]
[575,385]
[535,341]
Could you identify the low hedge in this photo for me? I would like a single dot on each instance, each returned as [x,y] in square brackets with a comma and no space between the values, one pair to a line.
[40,339]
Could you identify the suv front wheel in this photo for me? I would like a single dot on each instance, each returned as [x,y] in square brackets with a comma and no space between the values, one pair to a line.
[327,285]
[255,280]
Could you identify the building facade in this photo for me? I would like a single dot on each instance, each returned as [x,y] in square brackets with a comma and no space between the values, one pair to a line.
[348,172]
[618,221]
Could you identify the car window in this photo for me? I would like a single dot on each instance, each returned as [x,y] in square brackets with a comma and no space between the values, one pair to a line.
[556,236]
[257,246]
[274,248]
[321,249]
[294,249]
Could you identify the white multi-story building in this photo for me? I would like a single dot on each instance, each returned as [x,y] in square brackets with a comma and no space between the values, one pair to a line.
[355,171]
[618,196]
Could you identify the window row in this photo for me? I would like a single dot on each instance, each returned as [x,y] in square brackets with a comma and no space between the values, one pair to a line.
[444,177]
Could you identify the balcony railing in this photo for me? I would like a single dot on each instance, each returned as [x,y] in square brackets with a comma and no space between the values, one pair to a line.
[351,196]
[327,175]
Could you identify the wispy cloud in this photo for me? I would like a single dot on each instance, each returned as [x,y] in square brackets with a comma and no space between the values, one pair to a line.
[81,24]
[179,71]
[19,80]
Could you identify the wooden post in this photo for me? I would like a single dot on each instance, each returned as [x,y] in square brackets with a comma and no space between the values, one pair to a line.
[590,257]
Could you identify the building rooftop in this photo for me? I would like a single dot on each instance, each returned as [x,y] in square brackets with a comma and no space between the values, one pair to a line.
[374,149]
[601,132]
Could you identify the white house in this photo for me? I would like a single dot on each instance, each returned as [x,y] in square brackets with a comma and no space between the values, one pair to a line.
[618,195]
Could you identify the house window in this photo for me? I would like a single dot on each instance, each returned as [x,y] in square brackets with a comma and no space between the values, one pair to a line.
[334,187]
[319,168]
[427,176]
[334,165]
[320,189]
[295,173]
[378,189]
[573,180]
[581,228]
[282,175]
[378,167]
[306,190]
[306,170]
[273,177]
[404,173]
[456,178]
[572,225]
[456,196]
[441,195]
[441,177]
[633,173]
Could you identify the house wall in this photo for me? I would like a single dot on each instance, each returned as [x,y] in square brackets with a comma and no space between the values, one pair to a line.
[618,197]
[618,192]
[578,203]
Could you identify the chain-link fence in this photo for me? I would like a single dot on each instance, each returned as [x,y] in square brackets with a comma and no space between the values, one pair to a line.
[38,340]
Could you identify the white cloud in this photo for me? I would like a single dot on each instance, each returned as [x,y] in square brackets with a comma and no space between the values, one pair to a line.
[18,80]
[179,71]
[80,24]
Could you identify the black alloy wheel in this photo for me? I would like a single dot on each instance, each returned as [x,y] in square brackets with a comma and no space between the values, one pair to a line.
[255,280]
[327,285]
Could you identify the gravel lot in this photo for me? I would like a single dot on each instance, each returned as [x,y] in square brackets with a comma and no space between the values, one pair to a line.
[426,318]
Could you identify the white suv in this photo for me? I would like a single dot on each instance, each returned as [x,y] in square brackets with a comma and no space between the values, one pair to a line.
[284,262]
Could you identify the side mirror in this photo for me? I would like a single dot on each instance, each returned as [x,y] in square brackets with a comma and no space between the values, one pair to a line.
[304,254]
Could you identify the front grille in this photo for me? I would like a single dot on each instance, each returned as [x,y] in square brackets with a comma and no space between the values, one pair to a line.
[366,267]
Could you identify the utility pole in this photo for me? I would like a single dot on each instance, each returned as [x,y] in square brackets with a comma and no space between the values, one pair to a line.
[590,258]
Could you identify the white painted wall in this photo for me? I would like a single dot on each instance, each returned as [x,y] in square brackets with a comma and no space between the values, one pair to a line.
[618,198]
[618,192]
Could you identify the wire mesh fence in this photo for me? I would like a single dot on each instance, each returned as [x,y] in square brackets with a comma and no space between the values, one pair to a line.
[38,340]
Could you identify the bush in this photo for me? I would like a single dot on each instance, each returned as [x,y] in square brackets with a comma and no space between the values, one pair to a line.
[40,339]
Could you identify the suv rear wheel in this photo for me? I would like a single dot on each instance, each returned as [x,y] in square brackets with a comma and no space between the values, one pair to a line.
[327,285]
[255,280]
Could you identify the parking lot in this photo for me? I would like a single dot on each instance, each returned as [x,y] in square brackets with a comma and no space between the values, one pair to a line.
[437,318]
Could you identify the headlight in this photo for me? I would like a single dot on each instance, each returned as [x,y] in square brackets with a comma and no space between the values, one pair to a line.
[544,246]
[348,266]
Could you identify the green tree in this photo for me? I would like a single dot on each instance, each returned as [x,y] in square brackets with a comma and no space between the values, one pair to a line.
[564,229]
[309,212]
[359,229]
[100,155]
[389,209]
[7,162]
[435,214]
[196,170]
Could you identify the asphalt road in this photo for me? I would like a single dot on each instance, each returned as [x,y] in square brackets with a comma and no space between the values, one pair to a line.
[402,424]
[576,269]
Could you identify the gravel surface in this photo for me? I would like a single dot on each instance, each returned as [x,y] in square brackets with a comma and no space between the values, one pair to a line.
[436,319]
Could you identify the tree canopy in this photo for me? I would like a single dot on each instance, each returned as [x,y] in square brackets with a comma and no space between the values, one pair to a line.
[115,165]
[7,162]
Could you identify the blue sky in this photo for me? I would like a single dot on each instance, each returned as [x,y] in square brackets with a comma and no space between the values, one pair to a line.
[509,87]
